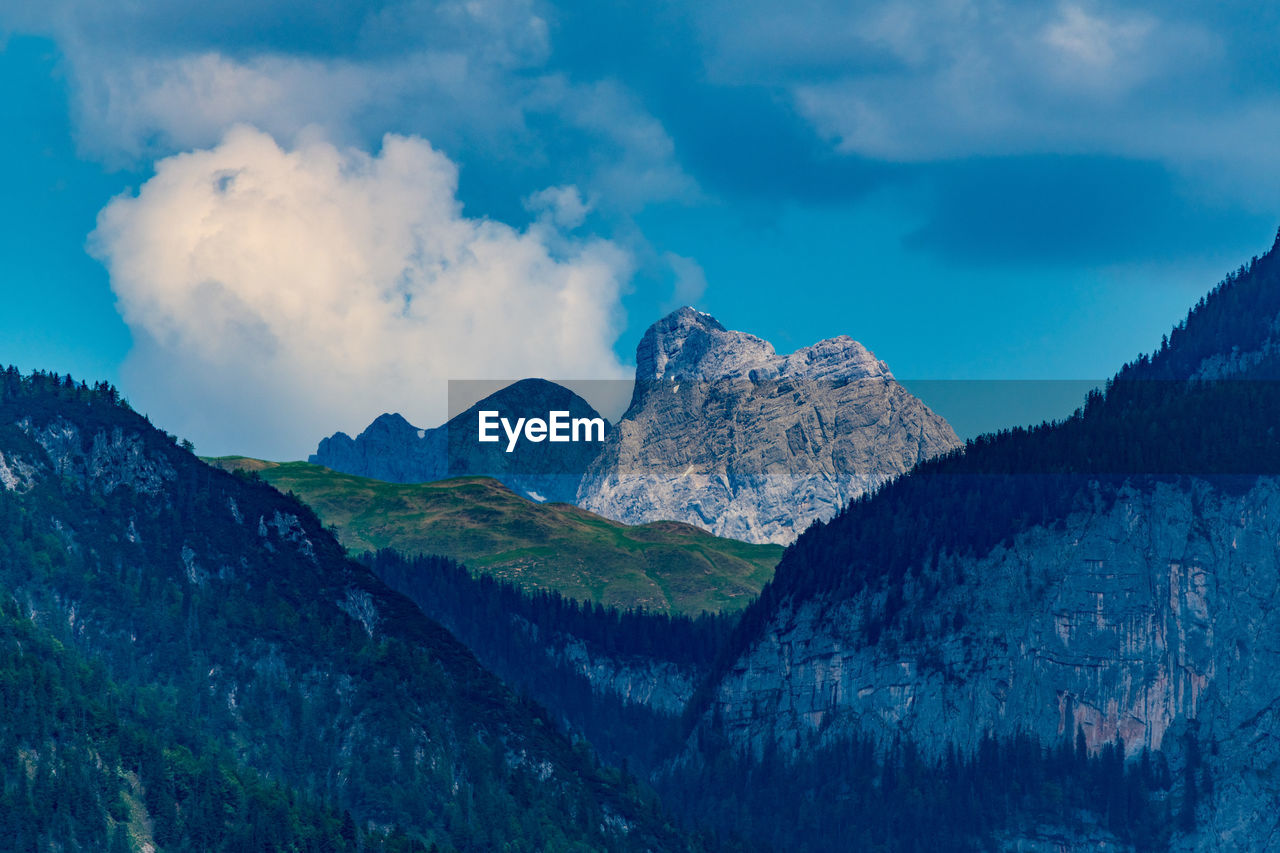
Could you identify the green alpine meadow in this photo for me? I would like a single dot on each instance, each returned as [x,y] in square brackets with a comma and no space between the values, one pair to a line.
[660,566]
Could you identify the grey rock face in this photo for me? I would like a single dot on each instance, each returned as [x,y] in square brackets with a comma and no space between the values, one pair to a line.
[394,450]
[1142,619]
[16,473]
[1225,365]
[661,685]
[106,464]
[725,433]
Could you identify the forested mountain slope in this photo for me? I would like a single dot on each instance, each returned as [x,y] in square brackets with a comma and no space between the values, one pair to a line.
[1110,579]
[233,605]
[88,765]
[619,678]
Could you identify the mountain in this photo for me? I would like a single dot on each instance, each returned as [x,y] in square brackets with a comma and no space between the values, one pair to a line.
[620,679]
[390,449]
[662,566]
[394,450]
[1103,587]
[226,621]
[88,764]
[725,433]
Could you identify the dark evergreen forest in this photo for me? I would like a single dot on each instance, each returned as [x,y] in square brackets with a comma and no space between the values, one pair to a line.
[158,659]
[838,797]
[511,631]
[224,656]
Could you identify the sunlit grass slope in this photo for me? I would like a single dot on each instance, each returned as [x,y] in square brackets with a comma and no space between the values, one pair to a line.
[665,566]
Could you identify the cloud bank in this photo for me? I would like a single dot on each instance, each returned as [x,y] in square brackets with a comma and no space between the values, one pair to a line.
[278,292]
[749,103]
[1066,137]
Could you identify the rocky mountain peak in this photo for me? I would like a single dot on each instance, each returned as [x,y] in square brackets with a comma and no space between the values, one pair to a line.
[835,358]
[389,424]
[689,344]
[725,433]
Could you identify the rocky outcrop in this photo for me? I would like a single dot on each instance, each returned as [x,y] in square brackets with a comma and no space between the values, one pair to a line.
[722,432]
[1139,620]
[394,450]
[103,464]
[663,686]
[16,473]
[725,433]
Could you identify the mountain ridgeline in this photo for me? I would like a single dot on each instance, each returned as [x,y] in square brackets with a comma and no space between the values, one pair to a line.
[1109,580]
[394,450]
[222,654]
[725,433]
[1063,637]
[722,433]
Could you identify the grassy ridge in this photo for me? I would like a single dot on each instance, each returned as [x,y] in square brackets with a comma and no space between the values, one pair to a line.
[665,566]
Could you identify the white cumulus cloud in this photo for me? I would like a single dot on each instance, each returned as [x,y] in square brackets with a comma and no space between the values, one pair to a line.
[277,295]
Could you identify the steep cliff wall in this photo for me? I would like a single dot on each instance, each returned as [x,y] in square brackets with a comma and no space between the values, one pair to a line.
[661,685]
[1135,618]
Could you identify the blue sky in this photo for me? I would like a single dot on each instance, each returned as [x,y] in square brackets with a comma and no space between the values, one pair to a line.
[267,222]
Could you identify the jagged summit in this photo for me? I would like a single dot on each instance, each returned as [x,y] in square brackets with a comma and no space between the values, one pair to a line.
[722,432]
[689,344]
[390,449]
[385,425]
[389,425]
[726,433]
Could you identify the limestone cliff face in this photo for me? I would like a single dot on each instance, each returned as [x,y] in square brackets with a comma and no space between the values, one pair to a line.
[661,685]
[1139,619]
[111,461]
[725,433]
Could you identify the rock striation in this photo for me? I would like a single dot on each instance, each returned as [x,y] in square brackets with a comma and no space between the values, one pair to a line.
[725,433]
